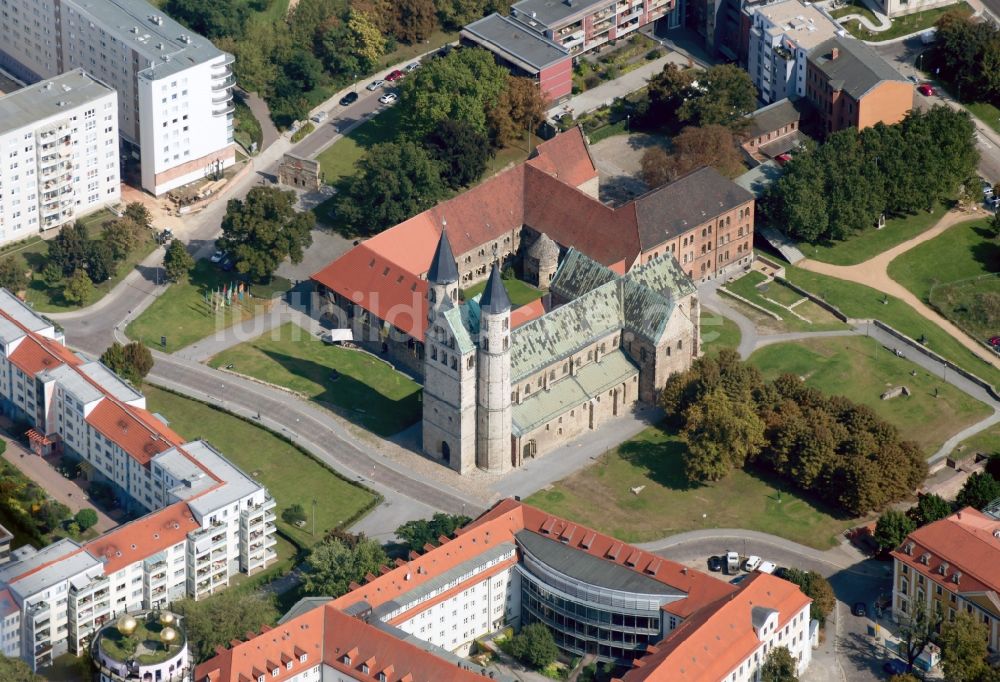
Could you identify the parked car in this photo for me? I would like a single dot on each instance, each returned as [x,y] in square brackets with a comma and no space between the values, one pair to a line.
[987,188]
[348,99]
[732,562]
[715,564]
[913,79]
[753,562]
[860,609]
[995,342]
[164,237]
[766,567]
[217,256]
[394,76]
[227,264]
[375,85]
[738,579]
[782,159]
[925,89]
[319,117]
[894,666]
[412,66]
[388,98]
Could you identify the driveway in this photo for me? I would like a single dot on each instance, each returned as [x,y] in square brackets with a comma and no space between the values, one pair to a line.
[619,165]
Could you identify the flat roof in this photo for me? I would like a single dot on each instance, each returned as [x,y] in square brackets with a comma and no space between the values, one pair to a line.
[550,12]
[14,307]
[589,569]
[235,484]
[42,100]
[47,567]
[802,22]
[517,43]
[151,33]
[110,382]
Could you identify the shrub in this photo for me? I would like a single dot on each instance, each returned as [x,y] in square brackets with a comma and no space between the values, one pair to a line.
[300,134]
[86,518]
[653,54]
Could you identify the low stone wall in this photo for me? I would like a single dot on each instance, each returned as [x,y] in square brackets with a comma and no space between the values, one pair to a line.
[829,307]
[753,305]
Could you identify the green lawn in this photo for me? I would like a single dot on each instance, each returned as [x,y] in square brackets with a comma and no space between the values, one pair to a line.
[854,7]
[338,159]
[717,332]
[520,293]
[985,112]
[290,475]
[987,441]
[912,23]
[751,286]
[48,299]
[859,301]
[183,315]
[861,369]
[965,250]
[600,496]
[868,244]
[969,304]
[355,384]
[404,52]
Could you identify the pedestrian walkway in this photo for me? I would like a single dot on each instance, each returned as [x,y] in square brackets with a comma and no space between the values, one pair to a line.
[884,23]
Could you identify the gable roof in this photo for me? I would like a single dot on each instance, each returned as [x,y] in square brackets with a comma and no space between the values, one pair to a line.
[775,116]
[138,437]
[857,69]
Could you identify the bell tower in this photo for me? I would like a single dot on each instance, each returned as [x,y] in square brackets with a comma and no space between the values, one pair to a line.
[493,409]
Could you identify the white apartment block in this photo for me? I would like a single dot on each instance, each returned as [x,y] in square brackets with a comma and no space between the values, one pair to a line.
[58,154]
[175,109]
[781,36]
[203,521]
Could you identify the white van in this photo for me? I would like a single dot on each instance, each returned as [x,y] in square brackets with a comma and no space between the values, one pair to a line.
[753,562]
[732,562]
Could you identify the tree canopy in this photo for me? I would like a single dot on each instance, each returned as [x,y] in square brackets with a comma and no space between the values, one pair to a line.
[223,617]
[979,490]
[721,95]
[78,287]
[177,262]
[259,232]
[133,361]
[892,528]
[930,508]
[694,147]
[963,648]
[422,532]
[817,588]
[968,54]
[16,670]
[535,645]
[332,565]
[85,518]
[461,151]
[14,273]
[779,666]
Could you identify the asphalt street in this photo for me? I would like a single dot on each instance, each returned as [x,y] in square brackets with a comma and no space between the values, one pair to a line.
[341,119]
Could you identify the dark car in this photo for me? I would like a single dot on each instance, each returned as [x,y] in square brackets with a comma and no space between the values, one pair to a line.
[348,99]
[715,564]
[394,76]
[894,666]
[995,342]
[860,609]
[227,264]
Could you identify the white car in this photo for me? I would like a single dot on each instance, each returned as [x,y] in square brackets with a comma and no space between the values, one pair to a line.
[375,85]
[318,117]
[217,256]
[752,564]
[388,98]
[767,567]
[412,66]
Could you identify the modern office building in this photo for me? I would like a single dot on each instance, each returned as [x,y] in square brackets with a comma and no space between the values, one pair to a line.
[899,8]
[175,109]
[517,565]
[58,153]
[851,86]
[203,520]
[782,34]
[951,566]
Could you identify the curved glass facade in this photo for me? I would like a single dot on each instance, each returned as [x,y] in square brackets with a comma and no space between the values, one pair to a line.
[589,619]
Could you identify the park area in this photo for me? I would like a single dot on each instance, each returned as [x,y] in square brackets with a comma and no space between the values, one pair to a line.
[860,369]
[185,312]
[956,273]
[717,332]
[290,475]
[356,385]
[906,25]
[601,496]
[796,311]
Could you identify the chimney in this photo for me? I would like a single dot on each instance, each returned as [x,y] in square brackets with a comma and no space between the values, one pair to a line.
[834,53]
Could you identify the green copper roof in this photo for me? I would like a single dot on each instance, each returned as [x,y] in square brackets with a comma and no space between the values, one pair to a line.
[577,275]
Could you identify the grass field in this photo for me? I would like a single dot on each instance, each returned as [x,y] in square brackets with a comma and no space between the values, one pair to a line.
[985,112]
[520,293]
[987,441]
[860,369]
[718,332]
[338,159]
[854,7]
[184,317]
[971,305]
[290,475]
[911,23]
[600,496]
[859,301]
[751,287]
[868,244]
[965,250]
[48,299]
[362,388]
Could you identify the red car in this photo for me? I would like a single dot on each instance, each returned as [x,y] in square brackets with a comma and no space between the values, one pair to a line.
[925,89]
[995,342]
[394,76]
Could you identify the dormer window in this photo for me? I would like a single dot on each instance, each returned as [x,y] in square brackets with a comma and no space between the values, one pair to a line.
[260,679]
[302,658]
[288,666]
[346,660]
[364,668]
[274,672]
[381,677]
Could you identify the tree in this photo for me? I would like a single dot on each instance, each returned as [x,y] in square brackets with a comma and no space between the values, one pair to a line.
[415,20]
[394,181]
[52,274]
[721,434]
[521,108]
[294,515]
[262,230]
[122,236]
[353,47]
[779,666]
[51,514]
[930,508]
[462,86]
[979,490]
[694,147]
[667,91]
[892,528]
[461,151]
[535,646]
[817,588]
[210,18]
[723,95]
[177,262]
[137,212]
[657,167]
[101,263]
[916,631]
[14,273]
[69,248]
[332,566]
[133,361]
[994,225]
[963,648]
[86,518]
[78,288]
[16,670]
[223,617]
[422,532]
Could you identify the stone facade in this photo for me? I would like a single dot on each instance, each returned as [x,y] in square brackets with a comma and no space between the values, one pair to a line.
[300,173]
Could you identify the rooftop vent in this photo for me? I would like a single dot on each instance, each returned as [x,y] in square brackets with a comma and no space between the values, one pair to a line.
[186,39]
[156,19]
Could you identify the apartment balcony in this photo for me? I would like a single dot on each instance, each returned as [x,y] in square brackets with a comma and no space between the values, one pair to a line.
[223,83]
[603,26]
[222,97]
[229,108]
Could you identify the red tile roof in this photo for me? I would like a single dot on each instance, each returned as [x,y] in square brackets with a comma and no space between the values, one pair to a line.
[526,313]
[716,640]
[561,157]
[143,537]
[34,355]
[139,437]
[965,541]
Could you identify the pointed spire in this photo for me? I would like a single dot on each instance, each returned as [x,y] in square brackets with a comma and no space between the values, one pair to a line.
[443,269]
[494,298]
